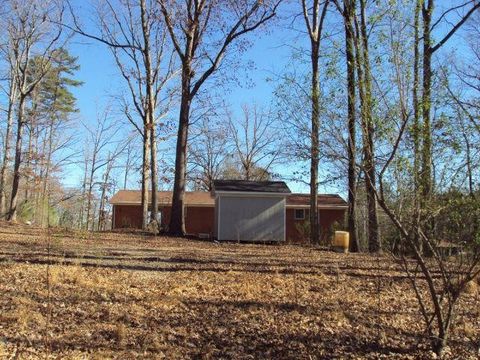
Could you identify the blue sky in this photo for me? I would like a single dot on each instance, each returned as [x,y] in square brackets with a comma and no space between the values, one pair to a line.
[101,79]
[271,53]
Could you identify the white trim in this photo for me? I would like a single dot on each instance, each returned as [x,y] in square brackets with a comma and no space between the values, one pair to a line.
[124,203]
[195,205]
[160,204]
[288,206]
[326,207]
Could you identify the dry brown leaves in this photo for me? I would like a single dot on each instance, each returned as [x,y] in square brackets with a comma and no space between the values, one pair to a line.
[79,296]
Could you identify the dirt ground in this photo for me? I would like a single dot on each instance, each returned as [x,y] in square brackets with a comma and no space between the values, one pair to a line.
[112,295]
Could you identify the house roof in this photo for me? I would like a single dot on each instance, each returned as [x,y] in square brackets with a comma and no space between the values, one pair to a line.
[203,198]
[251,186]
[324,201]
[134,197]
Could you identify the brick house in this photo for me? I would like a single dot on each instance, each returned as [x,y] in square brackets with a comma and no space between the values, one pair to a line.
[237,210]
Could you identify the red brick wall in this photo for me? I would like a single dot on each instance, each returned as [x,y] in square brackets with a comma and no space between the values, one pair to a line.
[127,216]
[201,220]
[198,219]
[295,228]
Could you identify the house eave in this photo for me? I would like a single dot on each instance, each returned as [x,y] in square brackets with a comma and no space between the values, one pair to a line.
[159,204]
[324,207]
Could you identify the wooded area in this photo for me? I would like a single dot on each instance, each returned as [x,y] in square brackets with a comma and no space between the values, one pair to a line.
[380,100]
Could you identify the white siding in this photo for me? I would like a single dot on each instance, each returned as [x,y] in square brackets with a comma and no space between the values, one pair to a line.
[259,218]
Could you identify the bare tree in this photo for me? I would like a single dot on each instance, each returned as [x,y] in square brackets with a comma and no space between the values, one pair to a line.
[12,100]
[131,159]
[429,48]
[202,32]
[314,15]
[466,95]
[367,123]
[208,152]
[102,137]
[255,142]
[437,280]
[33,38]
[349,13]
[137,40]
[439,303]
[105,185]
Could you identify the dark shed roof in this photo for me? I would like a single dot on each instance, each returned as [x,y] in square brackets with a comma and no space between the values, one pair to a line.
[251,186]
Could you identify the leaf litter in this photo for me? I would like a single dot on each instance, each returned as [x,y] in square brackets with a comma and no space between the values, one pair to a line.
[124,296]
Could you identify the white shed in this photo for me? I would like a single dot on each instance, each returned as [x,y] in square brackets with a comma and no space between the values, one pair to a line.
[250,210]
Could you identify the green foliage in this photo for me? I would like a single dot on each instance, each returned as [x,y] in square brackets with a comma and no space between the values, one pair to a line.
[54,92]
[53,218]
[303,228]
[28,212]
[458,219]
[52,100]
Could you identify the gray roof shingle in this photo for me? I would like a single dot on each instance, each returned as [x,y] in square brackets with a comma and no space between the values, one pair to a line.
[251,186]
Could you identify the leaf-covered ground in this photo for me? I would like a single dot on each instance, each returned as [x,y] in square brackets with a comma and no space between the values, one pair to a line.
[112,295]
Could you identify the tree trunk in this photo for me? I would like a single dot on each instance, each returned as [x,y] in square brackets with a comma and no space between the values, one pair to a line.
[12,214]
[90,193]
[101,210]
[6,148]
[416,125]
[45,198]
[31,132]
[150,110]
[314,151]
[426,152]
[153,151]
[39,171]
[145,174]
[128,163]
[28,161]
[471,190]
[177,220]
[374,244]
[314,23]
[349,14]
[84,192]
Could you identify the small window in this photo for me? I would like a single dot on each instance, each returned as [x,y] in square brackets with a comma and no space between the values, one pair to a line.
[299,214]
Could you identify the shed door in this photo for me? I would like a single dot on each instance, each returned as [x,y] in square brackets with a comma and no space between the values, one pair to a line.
[251,218]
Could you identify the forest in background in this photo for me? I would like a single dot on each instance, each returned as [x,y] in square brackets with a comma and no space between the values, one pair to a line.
[374,103]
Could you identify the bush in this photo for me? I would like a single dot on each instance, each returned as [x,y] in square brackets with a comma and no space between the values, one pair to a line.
[458,219]
[27,211]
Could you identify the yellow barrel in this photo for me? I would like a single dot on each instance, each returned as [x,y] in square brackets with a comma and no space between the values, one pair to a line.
[341,240]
